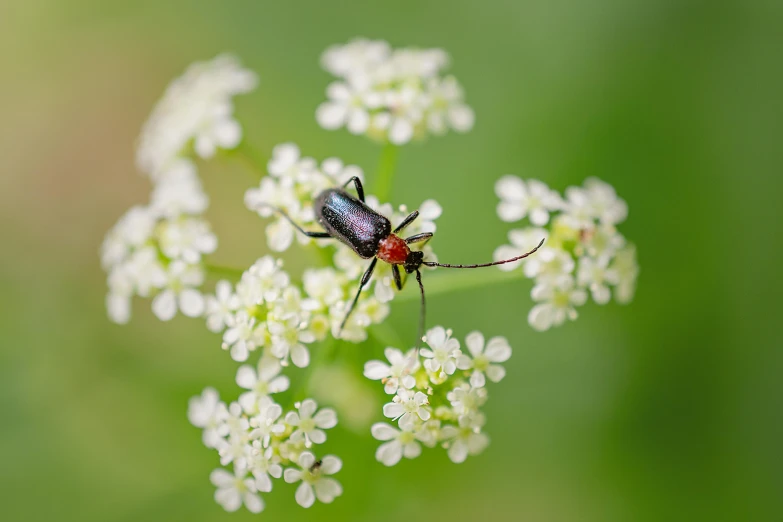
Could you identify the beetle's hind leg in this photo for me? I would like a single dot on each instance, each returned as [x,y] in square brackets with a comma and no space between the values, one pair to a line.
[365,279]
[357,183]
[308,233]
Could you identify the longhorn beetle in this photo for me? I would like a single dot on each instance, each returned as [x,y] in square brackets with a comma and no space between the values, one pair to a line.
[369,234]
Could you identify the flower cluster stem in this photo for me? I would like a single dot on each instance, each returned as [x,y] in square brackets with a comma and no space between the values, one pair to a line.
[385,172]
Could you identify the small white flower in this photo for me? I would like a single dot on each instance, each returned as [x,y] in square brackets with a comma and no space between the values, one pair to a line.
[265,421]
[179,191]
[309,424]
[261,381]
[406,407]
[597,276]
[549,264]
[261,465]
[395,374]
[466,399]
[220,308]
[263,282]
[132,230]
[519,199]
[233,490]
[187,239]
[315,482]
[196,106]
[627,269]
[244,336]
[522,241]
[288,338]
[606,207]
[400,443]
[484,361]
[207,411]
[466,439]
[557,302]
[180,292]
[444,351]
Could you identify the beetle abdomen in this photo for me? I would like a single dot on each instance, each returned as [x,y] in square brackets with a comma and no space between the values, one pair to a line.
[354,223]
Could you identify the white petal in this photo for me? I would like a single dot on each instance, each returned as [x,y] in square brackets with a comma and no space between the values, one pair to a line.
[498,350]
[383,431]
[229,498]
[539,217]
[464,362]
[412,450]
[253,502]
[475,342]
[300,356]
[401,131]
[376,370]
[327,489]
[458,451]
[510,211]
[317,436]
[331,465]
[461,118]
[326,418]
[393,410]
[330,116]
[263,483]
[221,478]
[292,475]
[496,372]
[306,460]
[308,407]
[304,495]
[477,379]
[191,302]
[164,305]
[389,453]
[246,377]
[228,134]
[541,317]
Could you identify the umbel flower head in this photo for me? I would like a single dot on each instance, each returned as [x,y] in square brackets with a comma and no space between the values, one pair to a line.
[437,395]
[393,95]
[197,109]
[584,253]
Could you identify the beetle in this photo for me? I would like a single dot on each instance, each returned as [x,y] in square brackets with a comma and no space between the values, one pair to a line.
[350,220]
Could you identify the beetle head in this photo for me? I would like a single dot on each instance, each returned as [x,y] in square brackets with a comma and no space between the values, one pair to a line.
[413,261]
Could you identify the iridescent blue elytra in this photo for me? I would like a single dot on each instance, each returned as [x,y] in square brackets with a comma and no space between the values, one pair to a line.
[351,221]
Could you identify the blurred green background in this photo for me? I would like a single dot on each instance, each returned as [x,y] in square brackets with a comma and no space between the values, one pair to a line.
[667,409]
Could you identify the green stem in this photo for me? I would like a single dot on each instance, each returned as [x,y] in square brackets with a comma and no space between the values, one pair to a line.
[227,272]
[453,280]
[385,172]
[250,156]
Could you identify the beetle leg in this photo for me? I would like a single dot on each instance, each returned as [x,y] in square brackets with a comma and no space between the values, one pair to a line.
[397,278]
[407,221]
[316,235]
[365,278]
[418,238]
[358,184]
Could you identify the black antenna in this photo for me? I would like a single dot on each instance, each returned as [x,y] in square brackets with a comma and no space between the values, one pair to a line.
[445,265]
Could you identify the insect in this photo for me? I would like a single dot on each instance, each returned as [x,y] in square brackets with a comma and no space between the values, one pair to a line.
[350,220]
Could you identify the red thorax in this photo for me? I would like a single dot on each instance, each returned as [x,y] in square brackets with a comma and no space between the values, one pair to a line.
[393,250]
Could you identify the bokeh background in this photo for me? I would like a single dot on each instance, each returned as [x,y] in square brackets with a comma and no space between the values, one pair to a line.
[667,409]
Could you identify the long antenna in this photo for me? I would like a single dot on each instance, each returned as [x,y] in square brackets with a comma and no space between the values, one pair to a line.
[445,265]
[423,311]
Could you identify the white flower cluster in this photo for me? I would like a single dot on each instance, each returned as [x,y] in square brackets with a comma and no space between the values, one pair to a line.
[438,393]
[391,95]
[261,443]
[293,184]
[155,250]
[264,310]
[197,109]
[583,250]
